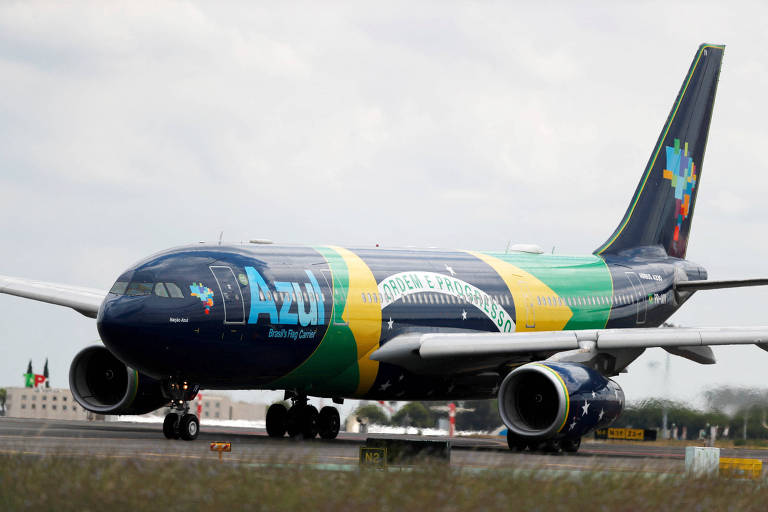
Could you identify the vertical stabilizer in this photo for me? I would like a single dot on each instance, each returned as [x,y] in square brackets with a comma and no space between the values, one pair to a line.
[661,209]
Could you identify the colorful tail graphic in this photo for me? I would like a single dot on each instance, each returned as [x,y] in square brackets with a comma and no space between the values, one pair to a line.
[661,209]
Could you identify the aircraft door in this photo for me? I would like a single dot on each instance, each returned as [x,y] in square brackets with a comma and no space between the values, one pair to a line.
[338,299]
[530,315]
[639,296]
[231,296]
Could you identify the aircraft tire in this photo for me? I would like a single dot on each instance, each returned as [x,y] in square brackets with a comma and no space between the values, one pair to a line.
[293,421]
[169,426]
[189,427]
[516,443]
[553,446]
[309,417]
[277,419]
[571,445]
[328,422]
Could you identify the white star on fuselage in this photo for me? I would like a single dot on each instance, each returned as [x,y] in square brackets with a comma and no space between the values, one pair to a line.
[594,395]
[572,425]
[463,315]
[390,323]
[600,416]
[384,386]
[585,408]
[450,269]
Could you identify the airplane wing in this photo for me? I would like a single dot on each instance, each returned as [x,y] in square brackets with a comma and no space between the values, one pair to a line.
[83,300]
[436,352]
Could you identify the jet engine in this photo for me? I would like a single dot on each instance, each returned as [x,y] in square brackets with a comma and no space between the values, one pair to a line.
[103,384]
[546,400]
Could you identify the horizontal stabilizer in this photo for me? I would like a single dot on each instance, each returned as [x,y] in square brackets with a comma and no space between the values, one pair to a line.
[716,285]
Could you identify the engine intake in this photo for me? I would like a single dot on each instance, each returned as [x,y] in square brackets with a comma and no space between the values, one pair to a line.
[546,400]
[103,384]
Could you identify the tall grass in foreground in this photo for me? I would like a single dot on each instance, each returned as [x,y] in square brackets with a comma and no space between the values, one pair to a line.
[62,483]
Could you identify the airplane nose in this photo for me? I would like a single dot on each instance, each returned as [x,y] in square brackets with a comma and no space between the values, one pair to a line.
[119,324]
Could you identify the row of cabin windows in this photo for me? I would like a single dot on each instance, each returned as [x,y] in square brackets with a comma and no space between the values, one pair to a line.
[591,300]
[505,300]
[439,298]
[283,296]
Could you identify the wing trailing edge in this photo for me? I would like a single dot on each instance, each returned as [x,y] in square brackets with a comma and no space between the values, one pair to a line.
[436,352]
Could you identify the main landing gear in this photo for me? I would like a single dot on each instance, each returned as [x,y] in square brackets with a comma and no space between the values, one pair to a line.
[519,444]
[179,423]
[302,420]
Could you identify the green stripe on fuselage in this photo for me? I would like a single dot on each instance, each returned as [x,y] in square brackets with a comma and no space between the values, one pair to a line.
[332,367]
[574,277]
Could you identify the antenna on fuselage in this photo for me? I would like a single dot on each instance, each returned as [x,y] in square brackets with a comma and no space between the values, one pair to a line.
[221,235]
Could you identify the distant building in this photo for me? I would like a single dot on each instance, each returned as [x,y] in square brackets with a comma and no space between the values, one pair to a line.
[41,402]
[59,404]
[223,408]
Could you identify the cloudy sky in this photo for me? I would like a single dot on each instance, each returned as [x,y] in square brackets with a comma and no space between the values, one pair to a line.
[129,128]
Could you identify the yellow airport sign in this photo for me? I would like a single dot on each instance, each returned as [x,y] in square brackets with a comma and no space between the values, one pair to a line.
[630,434]
[376,457]
[741,468]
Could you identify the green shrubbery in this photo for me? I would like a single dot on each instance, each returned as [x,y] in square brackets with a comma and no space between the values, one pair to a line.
[89,484]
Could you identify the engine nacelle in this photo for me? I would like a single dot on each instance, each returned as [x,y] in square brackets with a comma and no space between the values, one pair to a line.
[545,400]
[103,384]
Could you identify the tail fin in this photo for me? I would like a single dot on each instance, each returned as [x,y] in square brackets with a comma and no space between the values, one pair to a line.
[661,210]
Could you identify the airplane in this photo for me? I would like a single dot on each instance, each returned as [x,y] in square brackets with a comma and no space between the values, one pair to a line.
[541,333]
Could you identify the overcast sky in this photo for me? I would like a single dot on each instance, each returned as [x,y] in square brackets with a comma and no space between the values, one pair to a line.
[127,129]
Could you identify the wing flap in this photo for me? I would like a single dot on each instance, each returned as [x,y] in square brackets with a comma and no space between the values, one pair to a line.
[83,300]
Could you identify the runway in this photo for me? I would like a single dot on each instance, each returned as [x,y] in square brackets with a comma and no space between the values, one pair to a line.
[35,437]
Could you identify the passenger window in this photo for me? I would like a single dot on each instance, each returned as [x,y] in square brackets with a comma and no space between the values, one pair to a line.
[174,291]
[136,289]
[375,298]
[363,294]
[119,288]
[160,290]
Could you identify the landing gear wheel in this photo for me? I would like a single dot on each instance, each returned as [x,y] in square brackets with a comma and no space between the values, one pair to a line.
[293,420]
[553,446]
[309,418]
[189,427]
[571,445]
[169,426]
[516,443]
[328,423]
[277,418]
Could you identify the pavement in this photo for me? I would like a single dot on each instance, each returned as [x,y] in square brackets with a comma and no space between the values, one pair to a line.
[38,437]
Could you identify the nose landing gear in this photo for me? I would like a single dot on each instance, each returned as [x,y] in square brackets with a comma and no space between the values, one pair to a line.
[302,420]
[180,424]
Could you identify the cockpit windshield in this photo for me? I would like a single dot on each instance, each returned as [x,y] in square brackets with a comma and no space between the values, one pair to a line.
[140,287]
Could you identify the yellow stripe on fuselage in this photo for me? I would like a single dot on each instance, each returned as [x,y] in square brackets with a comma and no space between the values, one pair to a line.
[526,290]
[363,318]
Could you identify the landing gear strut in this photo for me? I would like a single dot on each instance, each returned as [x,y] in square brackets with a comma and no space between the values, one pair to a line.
[179,423]
[302,420]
